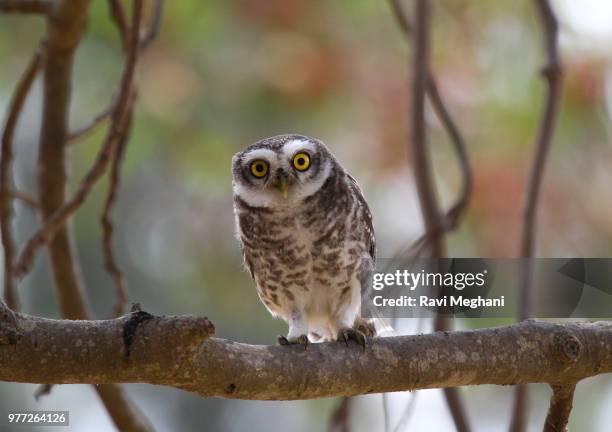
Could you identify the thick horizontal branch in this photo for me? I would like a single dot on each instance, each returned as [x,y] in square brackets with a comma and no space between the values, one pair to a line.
[177,352]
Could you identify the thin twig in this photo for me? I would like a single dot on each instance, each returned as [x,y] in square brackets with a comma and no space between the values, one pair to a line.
[65,30]
[107,224]
[552,73]
[154,24]
[456,211]
[422,166]
[400,17]
[45,233]
[119,17]
[27,6]
[6,195]
[25,198]
[94,122]
[339,420]
[560,408]
[42,390]
[110,262]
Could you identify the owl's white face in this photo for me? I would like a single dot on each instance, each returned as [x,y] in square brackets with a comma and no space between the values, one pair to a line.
[280,171]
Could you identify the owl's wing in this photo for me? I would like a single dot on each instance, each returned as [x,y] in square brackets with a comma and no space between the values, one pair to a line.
[367,218]
[380,325]
[247,263]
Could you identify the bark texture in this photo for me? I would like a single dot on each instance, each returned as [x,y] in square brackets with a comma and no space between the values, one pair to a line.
[179,352]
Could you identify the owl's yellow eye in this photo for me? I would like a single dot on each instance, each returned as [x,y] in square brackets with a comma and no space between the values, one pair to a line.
[301,161]
[259,168]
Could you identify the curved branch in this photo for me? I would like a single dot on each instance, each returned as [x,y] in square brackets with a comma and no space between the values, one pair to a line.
[24,198]
[552,73]
[425,183]
[177,352]
[66,26]
[456,211]
[108,227]
[60,215]
[6,197]
[422,166]
[100,118]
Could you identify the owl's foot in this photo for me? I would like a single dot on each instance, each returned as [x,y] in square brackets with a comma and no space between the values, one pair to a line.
[354,334]
[300,340]
[365,327]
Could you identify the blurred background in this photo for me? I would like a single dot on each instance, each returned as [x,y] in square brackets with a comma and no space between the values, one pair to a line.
[223,74]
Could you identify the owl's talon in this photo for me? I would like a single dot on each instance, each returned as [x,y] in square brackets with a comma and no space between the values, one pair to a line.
[365,327]
[353,334]
[300,340]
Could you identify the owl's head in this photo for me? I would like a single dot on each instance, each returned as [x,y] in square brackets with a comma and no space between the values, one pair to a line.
[281,171]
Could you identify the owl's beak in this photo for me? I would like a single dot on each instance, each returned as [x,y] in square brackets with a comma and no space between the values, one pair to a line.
[283,187]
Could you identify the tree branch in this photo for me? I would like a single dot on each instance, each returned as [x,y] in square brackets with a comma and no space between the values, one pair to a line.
[6,196]
[154,24]
[552,73]
[108,228]
[97,120]
[339,420]
[55,221]
[456,211]
[28,6]
[434,226]
[25,198]
[119,17]
[177,352]
[560,408]
[66,26]
[422,165]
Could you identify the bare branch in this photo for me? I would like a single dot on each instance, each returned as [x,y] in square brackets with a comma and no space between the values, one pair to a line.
[422,165]
[27,6]
[107,224]
[154,25]
[177,352]
[400,17]
[58,218]
[65,30]
[434,227]
[25,198]
[6,205]
[452,395]
[96,121]
[560,408]
[339,420]
[42,390]
[120,19]
[455,212]
[552,73]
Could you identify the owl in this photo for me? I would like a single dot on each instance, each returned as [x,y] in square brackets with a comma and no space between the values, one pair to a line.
[306,235]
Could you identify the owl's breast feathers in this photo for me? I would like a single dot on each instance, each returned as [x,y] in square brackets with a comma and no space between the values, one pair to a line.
[308,255]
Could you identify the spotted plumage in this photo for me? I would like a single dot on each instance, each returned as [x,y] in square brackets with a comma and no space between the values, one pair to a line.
[306,235]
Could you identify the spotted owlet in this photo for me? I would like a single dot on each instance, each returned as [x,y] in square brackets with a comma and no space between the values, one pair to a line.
[306,235]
